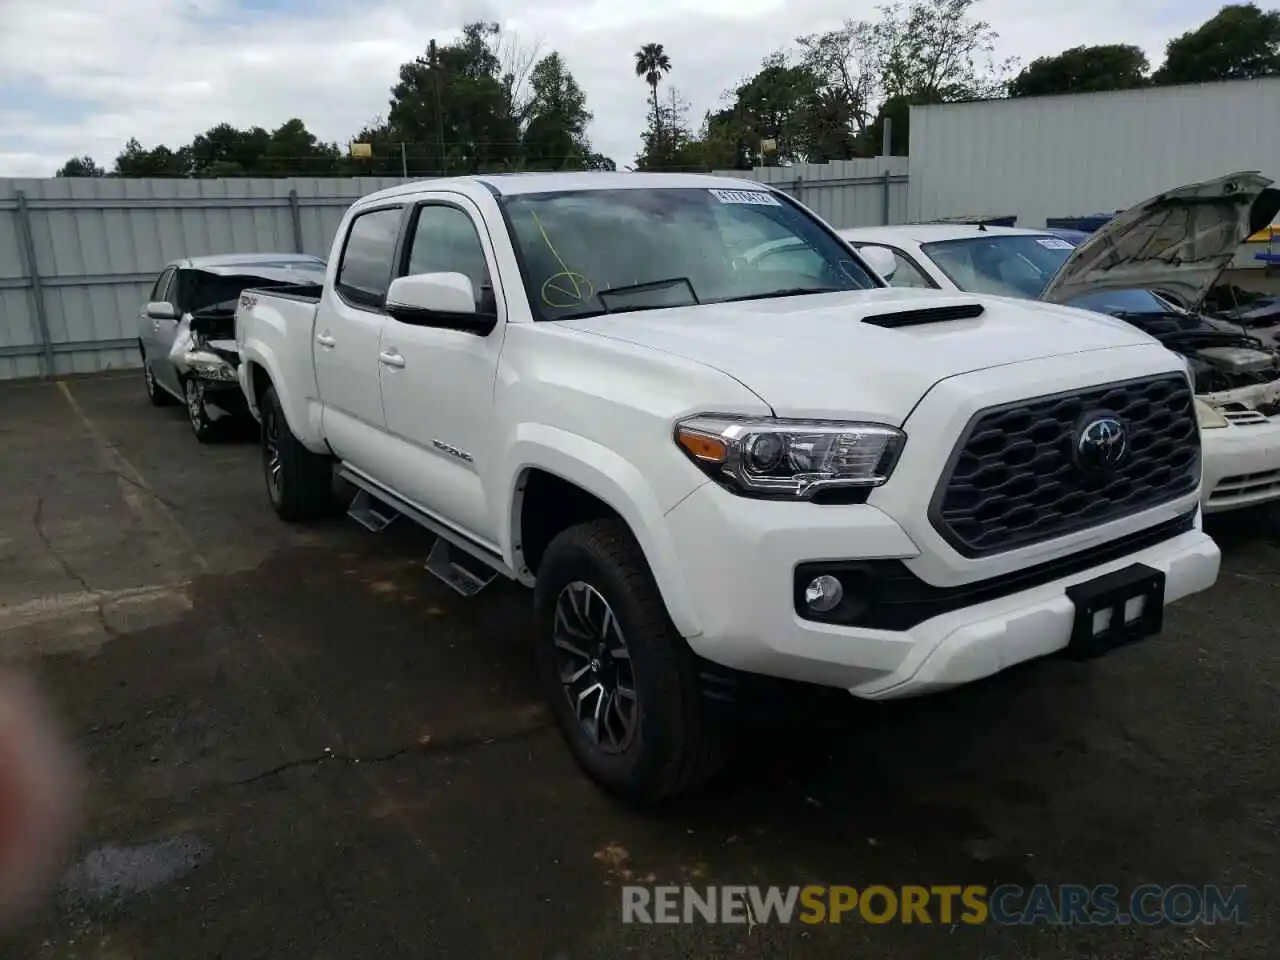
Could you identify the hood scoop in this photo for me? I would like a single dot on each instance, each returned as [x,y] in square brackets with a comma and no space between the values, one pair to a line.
[916,318]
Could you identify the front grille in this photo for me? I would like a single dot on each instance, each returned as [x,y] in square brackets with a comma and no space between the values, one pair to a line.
[1013,479]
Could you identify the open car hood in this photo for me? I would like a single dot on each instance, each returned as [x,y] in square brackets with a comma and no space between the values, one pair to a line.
[1177,243]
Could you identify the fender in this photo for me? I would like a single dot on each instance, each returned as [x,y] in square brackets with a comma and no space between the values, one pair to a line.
[605,474]
[302,418]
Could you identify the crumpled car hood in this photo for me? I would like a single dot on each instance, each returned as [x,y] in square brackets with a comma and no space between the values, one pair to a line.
[1177,243]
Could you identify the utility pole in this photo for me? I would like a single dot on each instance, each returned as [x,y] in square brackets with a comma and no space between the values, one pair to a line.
[435,82]
[404,161]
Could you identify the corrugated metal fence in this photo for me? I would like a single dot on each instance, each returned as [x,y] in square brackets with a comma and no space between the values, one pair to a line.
[78,257]
[868,192]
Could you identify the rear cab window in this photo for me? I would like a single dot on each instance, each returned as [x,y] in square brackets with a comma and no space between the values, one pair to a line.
[368,257]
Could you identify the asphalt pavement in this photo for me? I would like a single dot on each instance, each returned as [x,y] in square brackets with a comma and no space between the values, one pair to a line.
[300,745]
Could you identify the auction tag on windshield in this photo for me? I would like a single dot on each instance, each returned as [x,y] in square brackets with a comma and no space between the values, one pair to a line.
[1054,243]
[759,197]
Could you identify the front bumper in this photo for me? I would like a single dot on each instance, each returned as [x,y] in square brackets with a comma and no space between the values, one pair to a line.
[739,557]
[1241,465]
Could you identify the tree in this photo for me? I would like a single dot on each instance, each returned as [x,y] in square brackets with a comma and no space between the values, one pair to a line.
[134,161]
[847,65]
[668,143]
[652,63]
[929,48]
[915,52]
[455,107]
[1116,66]
[80,167]
[556,134]
[1241,42]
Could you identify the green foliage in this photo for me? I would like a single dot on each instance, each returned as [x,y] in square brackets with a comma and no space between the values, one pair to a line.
[80,167]
[1083,70]
[1240,42]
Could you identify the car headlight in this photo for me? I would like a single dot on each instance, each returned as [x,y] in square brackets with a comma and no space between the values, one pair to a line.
[209,366]
[790,459]
[1208,417]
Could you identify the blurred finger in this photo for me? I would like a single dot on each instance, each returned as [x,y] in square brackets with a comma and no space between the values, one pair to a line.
[37,796]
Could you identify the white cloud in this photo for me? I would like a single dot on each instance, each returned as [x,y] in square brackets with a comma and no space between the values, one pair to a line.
[83,76]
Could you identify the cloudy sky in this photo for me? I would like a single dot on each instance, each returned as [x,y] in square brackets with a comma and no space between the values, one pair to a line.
[82,76]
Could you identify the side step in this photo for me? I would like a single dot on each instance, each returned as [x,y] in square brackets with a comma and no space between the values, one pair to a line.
[370,512]
[458,570]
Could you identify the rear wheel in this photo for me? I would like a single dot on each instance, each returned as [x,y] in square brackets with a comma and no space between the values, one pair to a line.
[620,679]
[299,482]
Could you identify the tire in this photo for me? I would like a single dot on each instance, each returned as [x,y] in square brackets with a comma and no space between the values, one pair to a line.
[299,482]
[206,429]
[158,396]
[674,744]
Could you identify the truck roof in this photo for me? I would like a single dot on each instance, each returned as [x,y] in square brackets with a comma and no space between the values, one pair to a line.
[511,184]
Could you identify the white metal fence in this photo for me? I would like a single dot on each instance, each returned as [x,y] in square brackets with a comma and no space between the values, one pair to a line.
[78,256]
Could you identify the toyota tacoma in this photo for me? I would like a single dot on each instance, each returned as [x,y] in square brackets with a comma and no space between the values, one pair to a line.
[710,462]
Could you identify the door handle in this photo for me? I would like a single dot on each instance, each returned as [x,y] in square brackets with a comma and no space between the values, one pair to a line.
[325,340]
[391,359]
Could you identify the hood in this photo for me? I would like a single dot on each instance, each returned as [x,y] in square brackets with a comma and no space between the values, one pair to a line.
[842,355]
[1178,243]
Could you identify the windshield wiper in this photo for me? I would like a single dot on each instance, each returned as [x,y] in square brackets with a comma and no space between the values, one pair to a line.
[641,288]
[788,292]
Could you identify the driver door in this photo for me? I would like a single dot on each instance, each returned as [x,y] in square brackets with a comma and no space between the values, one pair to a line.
[438,383]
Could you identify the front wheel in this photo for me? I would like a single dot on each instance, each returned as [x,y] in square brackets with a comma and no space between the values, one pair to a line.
[620,679]
[299,482]
[203,426]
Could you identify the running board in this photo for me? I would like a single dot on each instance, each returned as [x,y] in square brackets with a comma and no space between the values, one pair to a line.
[457,570]
[459,551]
[370,512]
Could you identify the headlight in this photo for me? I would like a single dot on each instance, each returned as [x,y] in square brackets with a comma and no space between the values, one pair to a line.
[209,366]
[1207,417]
[790,459]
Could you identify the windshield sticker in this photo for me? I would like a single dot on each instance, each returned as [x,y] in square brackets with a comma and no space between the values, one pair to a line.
[1054,243]
[760,198]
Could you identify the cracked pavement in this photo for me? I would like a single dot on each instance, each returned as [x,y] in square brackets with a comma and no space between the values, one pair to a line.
[300,745]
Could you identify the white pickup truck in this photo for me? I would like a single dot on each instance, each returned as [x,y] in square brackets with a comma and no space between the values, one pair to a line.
[715,453]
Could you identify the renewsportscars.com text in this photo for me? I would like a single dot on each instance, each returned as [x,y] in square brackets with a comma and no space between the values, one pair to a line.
[1104,904]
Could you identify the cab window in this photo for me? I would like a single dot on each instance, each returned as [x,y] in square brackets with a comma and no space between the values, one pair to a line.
[364,272]
[444,240]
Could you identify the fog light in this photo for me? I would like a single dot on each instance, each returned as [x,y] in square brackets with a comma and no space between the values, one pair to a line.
[823,594]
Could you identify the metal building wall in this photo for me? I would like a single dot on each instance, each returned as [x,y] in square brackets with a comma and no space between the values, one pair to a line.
[78,256]
[1087,153]
[846,193]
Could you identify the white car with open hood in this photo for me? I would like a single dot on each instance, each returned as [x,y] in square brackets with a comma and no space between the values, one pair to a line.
[1151,266]
[714,464]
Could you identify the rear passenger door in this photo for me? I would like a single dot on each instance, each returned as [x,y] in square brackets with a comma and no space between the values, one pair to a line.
[438,392]
[347,330]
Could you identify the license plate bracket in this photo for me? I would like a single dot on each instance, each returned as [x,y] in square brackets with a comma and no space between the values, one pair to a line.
[1113,592]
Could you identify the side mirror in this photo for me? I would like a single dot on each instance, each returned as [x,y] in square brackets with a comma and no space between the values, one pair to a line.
[160,310]
[438,300]
[881,260]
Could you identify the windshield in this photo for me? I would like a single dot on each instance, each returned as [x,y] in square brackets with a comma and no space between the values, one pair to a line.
[609,251]
[1006,266]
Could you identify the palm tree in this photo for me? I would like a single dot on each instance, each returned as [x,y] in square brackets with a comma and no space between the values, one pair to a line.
[651,63]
